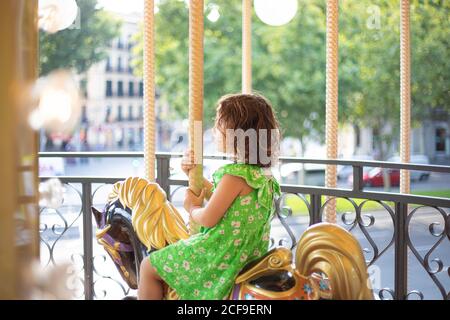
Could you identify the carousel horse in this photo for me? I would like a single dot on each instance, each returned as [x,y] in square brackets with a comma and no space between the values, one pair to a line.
[329,263]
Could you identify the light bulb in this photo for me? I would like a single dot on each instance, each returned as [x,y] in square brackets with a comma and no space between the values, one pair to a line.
[276,12]
[56,15]
[214,14]
[59,106]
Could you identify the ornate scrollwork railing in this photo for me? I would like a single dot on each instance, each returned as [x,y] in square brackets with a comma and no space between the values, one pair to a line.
[384,223]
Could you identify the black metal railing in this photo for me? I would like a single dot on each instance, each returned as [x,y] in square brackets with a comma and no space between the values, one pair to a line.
[401,235]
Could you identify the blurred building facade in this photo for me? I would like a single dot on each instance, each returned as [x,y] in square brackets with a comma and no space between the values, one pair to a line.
[430,138]
[113,110]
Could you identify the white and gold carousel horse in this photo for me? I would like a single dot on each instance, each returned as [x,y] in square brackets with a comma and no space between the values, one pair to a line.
[329,263]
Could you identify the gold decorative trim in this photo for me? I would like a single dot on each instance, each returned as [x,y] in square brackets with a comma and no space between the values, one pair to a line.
[279,259]
[330,249]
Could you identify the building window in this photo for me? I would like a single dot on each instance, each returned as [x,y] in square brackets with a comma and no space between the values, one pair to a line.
[440,139]
[108,64]
[131,89]
[141,135]
[131,138]
[119,113]
[119,43]
[130,67]
[119,64]
[109,88]
[141,89]
[130,43]
[130,113]
[120,89]
[141,112]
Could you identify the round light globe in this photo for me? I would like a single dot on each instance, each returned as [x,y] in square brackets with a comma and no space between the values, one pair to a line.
[56,15]
[276,12]
[59,106]
[214,14]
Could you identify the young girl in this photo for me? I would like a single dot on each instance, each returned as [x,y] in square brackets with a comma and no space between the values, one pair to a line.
[236,220]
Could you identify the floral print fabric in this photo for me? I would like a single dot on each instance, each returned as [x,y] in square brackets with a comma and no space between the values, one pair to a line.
[205,265]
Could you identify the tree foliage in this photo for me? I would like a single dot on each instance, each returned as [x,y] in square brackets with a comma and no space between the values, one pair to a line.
[81,46]
[289,62]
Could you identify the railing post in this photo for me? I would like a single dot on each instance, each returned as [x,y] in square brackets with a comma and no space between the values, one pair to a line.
[358,178]
[163,173]
[87,241]
[401,252]
[316,204]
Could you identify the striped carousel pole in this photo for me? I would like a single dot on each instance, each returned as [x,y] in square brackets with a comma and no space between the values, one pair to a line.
[196,31]
[149,89]
[246,46]
[405,93]
[332,102]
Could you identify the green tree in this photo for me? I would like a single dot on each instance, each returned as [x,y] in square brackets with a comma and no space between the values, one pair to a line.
[289,63]
[373,99]
[222,55]
[297,93]
[289,69]
[82,46]
[430,57]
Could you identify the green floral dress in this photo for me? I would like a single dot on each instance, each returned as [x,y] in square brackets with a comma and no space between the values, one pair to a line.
[205,265]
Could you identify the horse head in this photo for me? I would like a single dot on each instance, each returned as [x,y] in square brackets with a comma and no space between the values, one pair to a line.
[137,219]
[332,251]
[329,264]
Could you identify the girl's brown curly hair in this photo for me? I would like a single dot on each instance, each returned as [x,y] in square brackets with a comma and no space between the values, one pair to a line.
[252,122]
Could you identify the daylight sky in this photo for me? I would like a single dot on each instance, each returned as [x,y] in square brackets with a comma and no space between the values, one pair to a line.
[124,6]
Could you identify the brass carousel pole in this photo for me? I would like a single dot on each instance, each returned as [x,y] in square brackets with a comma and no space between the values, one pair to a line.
[19,215]
[196,30]
[405,93]
[246,46]
[149,89]
[332,102]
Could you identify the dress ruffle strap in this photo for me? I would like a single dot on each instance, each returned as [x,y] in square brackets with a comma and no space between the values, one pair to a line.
[267,186]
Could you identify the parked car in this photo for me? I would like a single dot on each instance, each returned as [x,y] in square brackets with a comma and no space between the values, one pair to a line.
[343,172]
[374,177]
[416,159]
[290,173]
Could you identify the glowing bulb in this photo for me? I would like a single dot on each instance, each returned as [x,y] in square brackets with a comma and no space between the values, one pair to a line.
[214,14]
[56,97]
[56,15]
[276,12]
[59,106]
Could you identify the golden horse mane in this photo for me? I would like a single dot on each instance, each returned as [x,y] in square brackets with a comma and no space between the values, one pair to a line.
[330,249]
[156,221]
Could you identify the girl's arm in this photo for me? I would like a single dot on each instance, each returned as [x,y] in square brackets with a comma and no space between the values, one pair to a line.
[226,192]
[208,188]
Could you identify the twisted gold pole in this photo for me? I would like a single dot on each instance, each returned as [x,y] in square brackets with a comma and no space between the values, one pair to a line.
[149,89]
[246,46]
[196,30]
[405,93]
[19,210]
[332,102]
